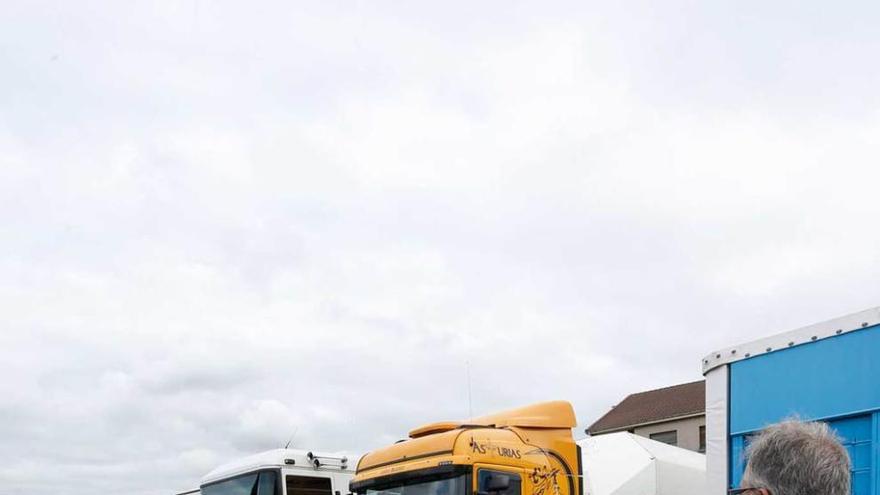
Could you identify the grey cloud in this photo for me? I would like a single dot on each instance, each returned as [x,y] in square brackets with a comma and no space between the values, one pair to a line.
[223,224]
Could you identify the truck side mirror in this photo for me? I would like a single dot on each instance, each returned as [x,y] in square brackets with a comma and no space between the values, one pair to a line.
[496,483]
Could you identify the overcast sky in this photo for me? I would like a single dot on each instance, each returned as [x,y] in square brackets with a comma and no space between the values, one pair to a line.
[222,222]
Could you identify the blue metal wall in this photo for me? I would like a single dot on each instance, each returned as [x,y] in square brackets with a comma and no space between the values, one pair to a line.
[835,380]
[858,434]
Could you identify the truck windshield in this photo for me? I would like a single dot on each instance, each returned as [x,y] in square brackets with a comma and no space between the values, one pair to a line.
[447,486]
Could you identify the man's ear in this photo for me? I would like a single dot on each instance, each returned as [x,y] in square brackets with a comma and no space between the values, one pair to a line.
[763,491]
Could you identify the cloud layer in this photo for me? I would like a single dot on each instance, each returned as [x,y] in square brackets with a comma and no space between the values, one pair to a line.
[220,225]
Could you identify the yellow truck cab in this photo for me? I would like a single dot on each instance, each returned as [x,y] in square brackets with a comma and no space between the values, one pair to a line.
[525,451]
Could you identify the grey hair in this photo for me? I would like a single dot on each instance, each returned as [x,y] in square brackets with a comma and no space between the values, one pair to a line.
[797,458]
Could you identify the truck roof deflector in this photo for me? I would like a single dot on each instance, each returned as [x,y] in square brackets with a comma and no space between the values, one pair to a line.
[555,414]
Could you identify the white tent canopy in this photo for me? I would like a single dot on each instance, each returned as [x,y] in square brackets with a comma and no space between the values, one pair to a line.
[626,464]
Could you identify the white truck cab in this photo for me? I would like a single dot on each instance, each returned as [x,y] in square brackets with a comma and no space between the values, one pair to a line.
[282,472]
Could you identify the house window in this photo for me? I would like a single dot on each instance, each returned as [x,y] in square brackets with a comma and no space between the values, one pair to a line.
[668,437]
[702,439]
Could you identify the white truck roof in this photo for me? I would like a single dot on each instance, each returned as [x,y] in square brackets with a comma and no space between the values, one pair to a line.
[286,458]
[805,335]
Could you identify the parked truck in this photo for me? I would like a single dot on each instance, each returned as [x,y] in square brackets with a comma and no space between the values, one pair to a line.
[280,472]
[828,372]
[525,451]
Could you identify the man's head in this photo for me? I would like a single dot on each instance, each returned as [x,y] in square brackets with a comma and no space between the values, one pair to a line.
[795,458]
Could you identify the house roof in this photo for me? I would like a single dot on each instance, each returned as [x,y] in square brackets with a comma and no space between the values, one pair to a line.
[653,406]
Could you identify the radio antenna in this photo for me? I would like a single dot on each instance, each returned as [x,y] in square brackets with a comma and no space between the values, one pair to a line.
[291,437]
[467,365]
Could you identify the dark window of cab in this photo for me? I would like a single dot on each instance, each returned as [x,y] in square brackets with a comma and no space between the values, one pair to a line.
[494,482]
[264,482]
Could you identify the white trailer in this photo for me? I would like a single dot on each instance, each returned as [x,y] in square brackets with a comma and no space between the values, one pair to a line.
[282,472]
[626,464]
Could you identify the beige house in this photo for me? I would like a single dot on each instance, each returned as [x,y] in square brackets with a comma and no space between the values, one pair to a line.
[675,415]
